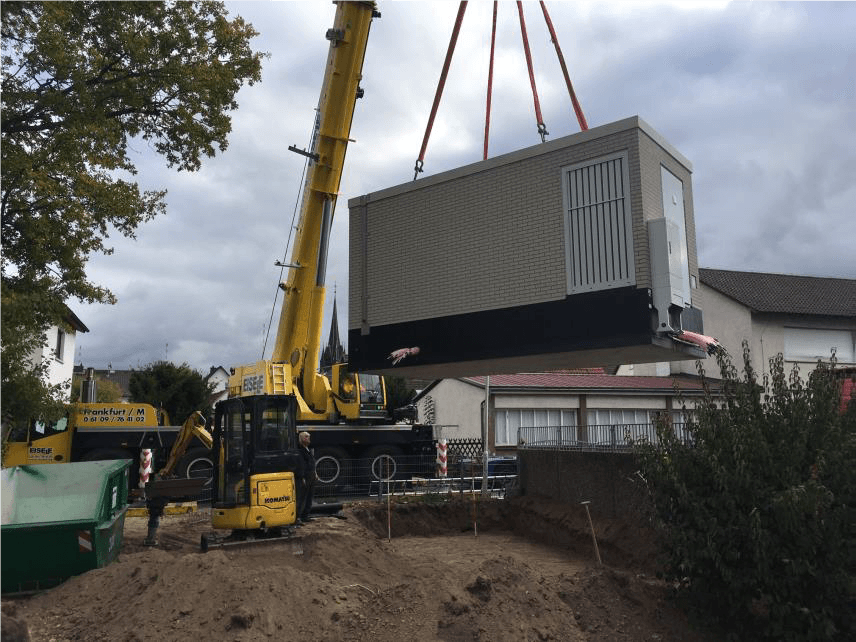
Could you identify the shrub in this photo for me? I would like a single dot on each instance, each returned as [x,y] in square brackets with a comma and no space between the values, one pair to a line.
[758,513]
[180,390]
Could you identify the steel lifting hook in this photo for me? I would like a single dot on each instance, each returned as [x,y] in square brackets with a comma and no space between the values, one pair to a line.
[417,169]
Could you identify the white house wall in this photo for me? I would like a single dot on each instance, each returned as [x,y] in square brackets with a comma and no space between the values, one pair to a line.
[657,369]
[59,370]
[552,402]
[626,401]
[457,408]
[219,380]
[770,339]
[730,322]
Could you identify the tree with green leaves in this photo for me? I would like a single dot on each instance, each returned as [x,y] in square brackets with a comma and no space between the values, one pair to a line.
[180,390]
[106,391]
[758,507]
[81,82]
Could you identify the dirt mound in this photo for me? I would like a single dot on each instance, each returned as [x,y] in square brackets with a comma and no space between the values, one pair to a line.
[526,572]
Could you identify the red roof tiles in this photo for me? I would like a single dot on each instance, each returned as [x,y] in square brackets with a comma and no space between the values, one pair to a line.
[569,380]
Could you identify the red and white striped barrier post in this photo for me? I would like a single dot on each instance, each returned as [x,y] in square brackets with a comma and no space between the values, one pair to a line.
[145,466]
[84,541]
[442,458]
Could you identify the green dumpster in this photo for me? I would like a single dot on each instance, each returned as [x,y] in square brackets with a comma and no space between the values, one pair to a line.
[60,520]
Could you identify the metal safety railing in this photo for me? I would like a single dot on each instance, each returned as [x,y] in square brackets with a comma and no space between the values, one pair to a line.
[416,475]
[498,486]
[599,438]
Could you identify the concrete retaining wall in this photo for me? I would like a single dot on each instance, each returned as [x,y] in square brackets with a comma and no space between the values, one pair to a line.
[608,480]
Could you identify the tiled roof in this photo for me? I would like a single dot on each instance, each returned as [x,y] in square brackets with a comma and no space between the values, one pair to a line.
[785,293]
[74,321]
[213,370]
[120,377]
[566,381]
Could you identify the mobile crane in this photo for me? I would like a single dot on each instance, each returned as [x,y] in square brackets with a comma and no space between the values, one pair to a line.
[98,431]
[255,429]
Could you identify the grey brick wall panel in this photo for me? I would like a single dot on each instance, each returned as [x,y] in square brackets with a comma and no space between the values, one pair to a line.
[490,235]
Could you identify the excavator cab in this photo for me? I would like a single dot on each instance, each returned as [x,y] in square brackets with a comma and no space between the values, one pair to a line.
[257,463]
[360,398]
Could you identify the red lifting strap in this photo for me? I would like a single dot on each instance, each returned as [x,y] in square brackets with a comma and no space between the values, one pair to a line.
[451,50]
[541,127]
[489,81]
[581,119]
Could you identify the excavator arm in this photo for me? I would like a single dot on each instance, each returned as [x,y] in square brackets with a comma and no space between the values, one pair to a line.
[194,426]
[165,488]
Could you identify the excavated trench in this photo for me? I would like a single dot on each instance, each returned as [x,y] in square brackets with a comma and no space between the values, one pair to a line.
[422,570]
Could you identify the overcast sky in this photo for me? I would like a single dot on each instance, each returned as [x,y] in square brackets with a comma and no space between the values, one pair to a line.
[758,96]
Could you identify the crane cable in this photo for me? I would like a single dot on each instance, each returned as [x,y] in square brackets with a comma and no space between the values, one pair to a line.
[578,110]
[490,80]
[438,94]
[291,229]
[542,129]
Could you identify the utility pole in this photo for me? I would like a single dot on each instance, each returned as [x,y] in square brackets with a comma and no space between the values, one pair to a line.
[485,433]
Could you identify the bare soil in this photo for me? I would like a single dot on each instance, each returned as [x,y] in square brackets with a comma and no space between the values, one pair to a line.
[521,569]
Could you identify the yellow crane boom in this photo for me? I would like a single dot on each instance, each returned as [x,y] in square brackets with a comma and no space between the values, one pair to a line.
[293,367]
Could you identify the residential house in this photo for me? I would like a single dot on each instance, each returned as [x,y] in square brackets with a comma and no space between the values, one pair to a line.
[218,377]
[58,350]
[121,378]
[584,405]
[803,317]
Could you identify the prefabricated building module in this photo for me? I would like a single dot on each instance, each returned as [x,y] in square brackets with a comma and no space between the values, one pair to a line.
[578,252]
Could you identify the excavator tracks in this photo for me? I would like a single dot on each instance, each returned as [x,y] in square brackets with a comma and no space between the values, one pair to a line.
[239,539]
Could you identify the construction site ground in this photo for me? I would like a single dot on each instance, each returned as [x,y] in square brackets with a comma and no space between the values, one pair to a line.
[493,570]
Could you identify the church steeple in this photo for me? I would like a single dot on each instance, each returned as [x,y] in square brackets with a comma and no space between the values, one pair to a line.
[334,352]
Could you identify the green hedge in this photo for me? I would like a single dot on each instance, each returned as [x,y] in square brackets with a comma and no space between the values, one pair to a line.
[759,513]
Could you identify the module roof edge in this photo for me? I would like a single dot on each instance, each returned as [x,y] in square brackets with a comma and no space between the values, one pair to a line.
[522,154]
[658,138]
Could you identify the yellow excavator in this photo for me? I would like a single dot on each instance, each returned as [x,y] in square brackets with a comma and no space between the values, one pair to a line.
[254,443]
[165,486]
